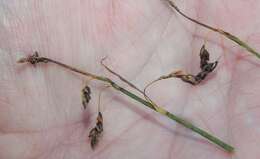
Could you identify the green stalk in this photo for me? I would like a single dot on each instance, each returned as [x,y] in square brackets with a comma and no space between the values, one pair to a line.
[220,31]
[34,59]
[179,120]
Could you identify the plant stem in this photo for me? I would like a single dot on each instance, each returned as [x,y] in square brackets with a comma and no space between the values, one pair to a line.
[36,59]
[120,77]
[220,31]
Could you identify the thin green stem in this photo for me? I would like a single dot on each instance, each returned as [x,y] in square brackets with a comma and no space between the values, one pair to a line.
[220,31]
[179,120]
[34,59]
[127,82]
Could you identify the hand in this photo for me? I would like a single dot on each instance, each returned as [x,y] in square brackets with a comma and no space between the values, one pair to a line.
[41,111]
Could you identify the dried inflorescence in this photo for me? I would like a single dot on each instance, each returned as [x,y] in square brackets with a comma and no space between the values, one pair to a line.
[85,93]
[33,59]
[204,57]
[96,132]
[205,66]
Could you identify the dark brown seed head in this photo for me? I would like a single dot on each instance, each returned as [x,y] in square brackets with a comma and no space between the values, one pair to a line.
[96,132]
[205,71]
[93,142]
[99,124]
[204,56]
[201,76]
[210,67]
[100,117]
[33,59]
[93,135]
[86,96]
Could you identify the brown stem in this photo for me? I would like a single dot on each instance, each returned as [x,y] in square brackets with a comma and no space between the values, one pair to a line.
[220,31]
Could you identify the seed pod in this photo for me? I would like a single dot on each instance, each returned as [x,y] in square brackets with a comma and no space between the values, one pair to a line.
[85,93]
[94,136]
[33,59]
[96,132]
[99,124]
[210,67]
[204,57]
[201,76]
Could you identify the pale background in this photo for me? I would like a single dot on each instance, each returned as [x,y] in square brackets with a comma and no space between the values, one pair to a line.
[41,116]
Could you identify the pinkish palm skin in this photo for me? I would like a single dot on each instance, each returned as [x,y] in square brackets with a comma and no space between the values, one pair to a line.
[41,115]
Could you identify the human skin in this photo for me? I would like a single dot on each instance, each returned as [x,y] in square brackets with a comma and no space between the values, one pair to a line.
[41,115]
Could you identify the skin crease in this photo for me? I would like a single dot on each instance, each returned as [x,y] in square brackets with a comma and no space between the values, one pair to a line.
[41,115]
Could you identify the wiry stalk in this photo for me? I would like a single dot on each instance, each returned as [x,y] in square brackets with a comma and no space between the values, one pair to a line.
[34,59]
[220,31]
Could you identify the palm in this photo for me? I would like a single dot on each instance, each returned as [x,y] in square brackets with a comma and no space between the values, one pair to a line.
[41,111]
